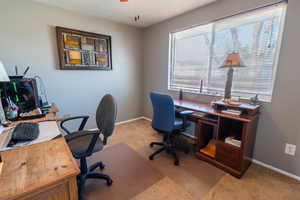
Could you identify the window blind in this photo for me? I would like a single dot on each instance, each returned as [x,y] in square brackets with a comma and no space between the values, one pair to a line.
[197,53]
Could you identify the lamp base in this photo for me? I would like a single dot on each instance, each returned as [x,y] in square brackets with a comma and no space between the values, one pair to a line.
[226,100]
[231,103]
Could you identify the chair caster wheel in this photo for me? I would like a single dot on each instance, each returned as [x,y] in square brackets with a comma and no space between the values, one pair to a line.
[176,163]
[102,166]
[151,145]
[151,158]
[109,182]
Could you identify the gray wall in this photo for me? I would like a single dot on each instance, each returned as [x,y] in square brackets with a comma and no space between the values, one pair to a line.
[27,32]
[28,38]
[279,121]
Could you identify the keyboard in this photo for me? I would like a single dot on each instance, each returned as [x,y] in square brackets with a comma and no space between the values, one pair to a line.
[25,131]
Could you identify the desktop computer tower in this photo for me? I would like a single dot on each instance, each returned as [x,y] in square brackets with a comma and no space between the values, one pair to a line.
[190,131]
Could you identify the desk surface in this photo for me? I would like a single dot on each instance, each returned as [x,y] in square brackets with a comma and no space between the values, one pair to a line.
[206,108]
[49,117]
[33,168]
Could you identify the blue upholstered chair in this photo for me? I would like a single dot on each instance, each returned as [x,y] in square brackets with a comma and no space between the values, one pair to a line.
[164,121]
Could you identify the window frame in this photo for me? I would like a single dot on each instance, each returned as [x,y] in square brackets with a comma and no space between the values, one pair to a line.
[220,93]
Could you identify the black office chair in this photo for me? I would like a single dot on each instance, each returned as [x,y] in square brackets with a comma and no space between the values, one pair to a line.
[164,121]
[83,143]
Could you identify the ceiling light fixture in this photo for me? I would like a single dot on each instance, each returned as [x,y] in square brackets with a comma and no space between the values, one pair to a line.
[136,18]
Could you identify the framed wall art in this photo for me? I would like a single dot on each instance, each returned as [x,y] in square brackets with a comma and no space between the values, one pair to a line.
[79,50]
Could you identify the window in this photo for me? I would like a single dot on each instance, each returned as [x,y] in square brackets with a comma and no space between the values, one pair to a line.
[197,53]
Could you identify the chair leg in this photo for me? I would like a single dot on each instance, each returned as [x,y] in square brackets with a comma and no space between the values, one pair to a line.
[156,143]
[80,183]
[95,166]
[151,157]
[173,153]
[109,181]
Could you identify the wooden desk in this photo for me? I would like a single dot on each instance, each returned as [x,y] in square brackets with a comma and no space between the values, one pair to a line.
[232,159]
[44,171]
[208,109]
[49,117]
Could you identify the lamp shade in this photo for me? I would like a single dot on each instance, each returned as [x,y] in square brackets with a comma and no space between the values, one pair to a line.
[3,74]
[232,60]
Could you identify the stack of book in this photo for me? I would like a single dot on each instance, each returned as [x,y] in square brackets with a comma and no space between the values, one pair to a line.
[232,112]
[232,141]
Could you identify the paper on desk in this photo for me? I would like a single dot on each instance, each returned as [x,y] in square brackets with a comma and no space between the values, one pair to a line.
[48,131]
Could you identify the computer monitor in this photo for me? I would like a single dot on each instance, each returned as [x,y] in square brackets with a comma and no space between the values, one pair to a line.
[22,91]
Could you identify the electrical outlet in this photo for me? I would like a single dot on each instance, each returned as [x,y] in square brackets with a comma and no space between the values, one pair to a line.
[290,149]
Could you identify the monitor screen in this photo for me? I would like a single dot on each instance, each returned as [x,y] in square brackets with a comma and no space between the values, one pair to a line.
[22,92]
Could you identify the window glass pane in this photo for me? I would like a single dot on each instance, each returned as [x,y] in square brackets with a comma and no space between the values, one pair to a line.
[255,38]
[196,54]
[190,58]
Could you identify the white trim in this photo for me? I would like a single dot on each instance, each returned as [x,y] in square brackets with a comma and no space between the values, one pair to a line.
[276,169]
[146,118]
[130,120]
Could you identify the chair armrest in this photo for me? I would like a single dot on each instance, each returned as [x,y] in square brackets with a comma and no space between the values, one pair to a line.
[82,124]
[186,112]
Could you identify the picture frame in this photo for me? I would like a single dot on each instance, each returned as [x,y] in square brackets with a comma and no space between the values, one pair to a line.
[80,50]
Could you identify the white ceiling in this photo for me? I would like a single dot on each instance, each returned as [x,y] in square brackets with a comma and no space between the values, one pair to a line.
[150,11]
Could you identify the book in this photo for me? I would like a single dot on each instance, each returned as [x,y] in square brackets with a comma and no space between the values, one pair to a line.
[232,112]
[232,141]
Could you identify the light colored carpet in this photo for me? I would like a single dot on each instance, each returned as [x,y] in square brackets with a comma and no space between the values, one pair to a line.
[257,184]
[195,179]
[193,175]
[165,189]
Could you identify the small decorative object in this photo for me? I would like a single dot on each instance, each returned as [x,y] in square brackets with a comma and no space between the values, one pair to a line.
[233,60]
[80,50]
[136,18]
[11,110]
[254,100]
[201,86]
[180,94]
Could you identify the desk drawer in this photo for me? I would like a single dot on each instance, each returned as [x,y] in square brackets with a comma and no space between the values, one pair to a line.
[228,155]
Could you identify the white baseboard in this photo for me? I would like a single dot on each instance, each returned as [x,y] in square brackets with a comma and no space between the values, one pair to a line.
[276,169]
[130,120]
[146,118]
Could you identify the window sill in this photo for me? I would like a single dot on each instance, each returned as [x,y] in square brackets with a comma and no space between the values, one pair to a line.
[245,99]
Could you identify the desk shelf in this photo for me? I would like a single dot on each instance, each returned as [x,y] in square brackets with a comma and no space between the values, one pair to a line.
[218,164]
[218,126]
[230,158]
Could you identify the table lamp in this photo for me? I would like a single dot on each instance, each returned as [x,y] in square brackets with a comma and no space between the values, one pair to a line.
[3,78]
[233,60]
